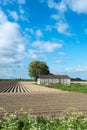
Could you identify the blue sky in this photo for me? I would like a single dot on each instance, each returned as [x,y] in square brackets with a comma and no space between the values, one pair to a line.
[54,31]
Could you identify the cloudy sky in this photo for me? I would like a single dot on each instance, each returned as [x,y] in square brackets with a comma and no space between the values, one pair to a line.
[54,31]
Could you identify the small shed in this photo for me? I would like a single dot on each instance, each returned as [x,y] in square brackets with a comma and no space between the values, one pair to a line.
[53,79]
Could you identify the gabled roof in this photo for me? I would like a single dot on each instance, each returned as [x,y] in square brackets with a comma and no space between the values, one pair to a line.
[55,76]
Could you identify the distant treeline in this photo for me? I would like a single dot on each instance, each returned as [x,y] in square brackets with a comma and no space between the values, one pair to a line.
[77,79]
[20,79]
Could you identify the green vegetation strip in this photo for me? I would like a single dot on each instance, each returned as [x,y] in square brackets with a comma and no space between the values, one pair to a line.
[82,88]
[72,119]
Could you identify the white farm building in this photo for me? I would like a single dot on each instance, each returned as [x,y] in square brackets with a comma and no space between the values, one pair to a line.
[52,79]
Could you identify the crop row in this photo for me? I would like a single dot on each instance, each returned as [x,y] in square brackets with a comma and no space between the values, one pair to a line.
[12,87]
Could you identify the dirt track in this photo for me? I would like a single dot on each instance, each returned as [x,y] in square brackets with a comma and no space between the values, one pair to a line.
[41,100]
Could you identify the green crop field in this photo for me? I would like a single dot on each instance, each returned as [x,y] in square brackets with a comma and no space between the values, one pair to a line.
[73,87]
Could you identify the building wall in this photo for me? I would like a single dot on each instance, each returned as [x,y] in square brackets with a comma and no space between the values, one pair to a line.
[65,81]
[53,81]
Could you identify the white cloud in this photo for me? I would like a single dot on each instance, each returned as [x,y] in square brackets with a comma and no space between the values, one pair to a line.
[59,61]
[60,6]
[32,54]
[3,17]
[77,69]
[21,1]
[14,15]
[5,2]
[12,48]
[55,16]
[48,28]
[36,54]
[46,46]
[11,42]
[39,33]
[8,34]
[62,27]
[21,48]
[13,71]
[31,31]
[79,6]
[51,4]
[23,14]
[21,10]
[61,53]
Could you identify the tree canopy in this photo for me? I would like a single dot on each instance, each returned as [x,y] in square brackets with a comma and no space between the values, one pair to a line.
[37,68]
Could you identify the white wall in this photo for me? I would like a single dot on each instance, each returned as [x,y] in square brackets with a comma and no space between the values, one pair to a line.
[53,81]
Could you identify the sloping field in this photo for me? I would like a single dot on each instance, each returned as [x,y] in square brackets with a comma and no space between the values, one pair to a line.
[79,82]
[24,87]
[41,100]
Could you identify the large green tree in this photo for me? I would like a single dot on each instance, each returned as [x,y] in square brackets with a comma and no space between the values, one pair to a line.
[37,68]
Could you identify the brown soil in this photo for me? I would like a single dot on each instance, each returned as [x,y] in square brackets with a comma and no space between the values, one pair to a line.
[40,100]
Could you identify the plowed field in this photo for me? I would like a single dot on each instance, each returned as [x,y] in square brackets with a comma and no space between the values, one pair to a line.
[40,100]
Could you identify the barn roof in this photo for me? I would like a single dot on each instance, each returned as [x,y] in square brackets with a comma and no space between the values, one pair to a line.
[54,76]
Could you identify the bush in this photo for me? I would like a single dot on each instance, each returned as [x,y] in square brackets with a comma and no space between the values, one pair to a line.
[70,120]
